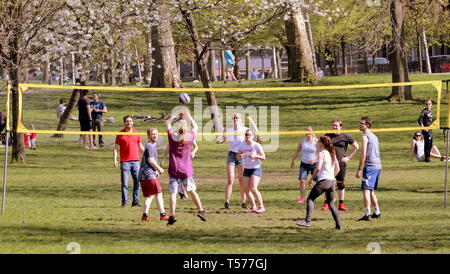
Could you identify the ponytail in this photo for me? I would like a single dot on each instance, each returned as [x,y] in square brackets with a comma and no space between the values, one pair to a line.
[326,141]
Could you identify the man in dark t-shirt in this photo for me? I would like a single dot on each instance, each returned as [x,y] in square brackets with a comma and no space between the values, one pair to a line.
[340,142]
[85,118]
[98,108]
[426,120]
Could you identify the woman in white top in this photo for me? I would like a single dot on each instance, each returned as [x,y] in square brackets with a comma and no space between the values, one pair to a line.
[308,147]
[234,137]
[252,153]
[326,170]
[417,149]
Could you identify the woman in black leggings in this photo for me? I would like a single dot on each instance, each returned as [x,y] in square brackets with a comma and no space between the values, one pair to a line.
[326,170]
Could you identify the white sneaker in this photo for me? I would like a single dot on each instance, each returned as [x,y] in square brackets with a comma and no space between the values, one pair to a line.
[261,210]
[304,223]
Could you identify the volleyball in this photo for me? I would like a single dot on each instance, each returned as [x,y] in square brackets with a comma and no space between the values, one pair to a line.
[184,98]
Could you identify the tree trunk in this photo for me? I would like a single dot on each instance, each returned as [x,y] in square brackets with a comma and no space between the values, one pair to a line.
[165,70]
[47,73]
[148,58]
[222,65]
[61,71]
[425,46]
[397,52]
[113,67]
[344,59]
[300,50]
[279,56]
[247,65]
[274,63]
[68,112]
[18,152]
[236,68]
[419,51]
[311,43]
[212,65]
[200,51]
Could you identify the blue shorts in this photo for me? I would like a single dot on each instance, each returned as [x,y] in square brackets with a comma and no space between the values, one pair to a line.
[306,169]
[249,172]
[370,178]
[232,159]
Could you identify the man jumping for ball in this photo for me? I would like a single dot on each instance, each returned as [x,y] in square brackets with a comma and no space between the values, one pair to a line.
[180,163]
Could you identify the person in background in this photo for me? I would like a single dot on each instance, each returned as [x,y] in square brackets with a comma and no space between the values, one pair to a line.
[33,138]
[319,72]
[426,120]
[98,108]
[230,62]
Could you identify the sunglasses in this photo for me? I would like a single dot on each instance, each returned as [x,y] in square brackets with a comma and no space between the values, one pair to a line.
[236,118]
[418,135]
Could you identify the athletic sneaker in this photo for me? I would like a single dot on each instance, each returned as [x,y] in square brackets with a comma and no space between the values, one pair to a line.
[172,220]
[163,218]
[145,218]
[365,218]
[325,206]
[183,196]
[338,227]
[244,205]
[123,205]
[202,215]
[136,204]
[301,200]
[342,207]
[375,216]
[260,210]
[304,223]
[252,210]
[227,205]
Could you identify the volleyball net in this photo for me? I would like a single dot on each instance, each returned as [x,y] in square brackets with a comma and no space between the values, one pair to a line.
[276,110]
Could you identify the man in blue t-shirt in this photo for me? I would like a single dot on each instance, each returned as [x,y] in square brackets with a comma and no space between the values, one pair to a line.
[98,108]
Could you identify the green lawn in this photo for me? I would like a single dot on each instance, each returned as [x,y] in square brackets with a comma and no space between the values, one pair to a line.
[66,194]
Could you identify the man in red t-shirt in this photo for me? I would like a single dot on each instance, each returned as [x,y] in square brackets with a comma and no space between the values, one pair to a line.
[129,146]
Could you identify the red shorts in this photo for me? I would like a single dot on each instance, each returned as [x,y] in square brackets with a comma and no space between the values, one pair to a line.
[150,187]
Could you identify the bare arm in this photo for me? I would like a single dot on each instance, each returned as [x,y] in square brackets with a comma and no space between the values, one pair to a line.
[155,165]
[141,147]
[362,159]
[260,155]
[115,149]
[192,121]
[355,148]
[297,151]
[194,152]
[336,166]
[316,170]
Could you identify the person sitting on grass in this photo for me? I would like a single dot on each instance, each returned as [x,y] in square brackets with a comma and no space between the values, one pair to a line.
[418,149]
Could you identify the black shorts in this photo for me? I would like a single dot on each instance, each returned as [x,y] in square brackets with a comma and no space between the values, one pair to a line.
[341,175]
[85,125]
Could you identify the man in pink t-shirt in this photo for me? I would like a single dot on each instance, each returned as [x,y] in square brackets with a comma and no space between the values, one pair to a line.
[130,147]
[180,163]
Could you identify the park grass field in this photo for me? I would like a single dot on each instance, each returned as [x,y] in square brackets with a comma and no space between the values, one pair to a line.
[66,194]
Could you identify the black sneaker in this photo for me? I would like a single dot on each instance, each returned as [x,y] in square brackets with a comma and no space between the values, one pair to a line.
[227,205]
[202,215]
[244,205]
[172,220]
[136,204]
[375,216]
[338,227]
[365,218]
[183,196]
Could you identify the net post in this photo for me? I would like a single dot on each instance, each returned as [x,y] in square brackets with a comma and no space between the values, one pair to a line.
[5,168]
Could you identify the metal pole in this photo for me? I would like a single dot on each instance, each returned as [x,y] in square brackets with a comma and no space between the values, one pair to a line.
[446,170]
[5,168]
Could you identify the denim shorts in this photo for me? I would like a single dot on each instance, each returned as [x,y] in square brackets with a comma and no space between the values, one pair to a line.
[232,159]
[306,169]
[370,178]
[249,172]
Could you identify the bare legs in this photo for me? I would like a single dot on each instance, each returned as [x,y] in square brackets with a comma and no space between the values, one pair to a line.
[230,181]
[251,190]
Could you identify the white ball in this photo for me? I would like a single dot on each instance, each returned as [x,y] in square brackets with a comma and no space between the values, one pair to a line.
[184,98]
